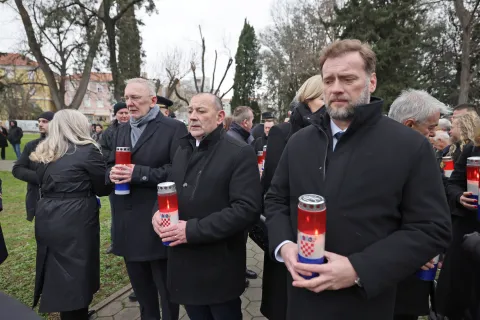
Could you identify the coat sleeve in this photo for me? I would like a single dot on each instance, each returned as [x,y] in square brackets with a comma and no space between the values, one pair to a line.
[277,205]
[106,143]
[275,144]
[245,204]
[425,230]
[147,176]
[96,168]
[457,183]
[21,169]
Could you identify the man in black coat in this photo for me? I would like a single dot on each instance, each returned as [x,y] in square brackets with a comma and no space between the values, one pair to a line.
[386,212]
[15,134]
[420,111]
[152,138]
[219,197]
[24,169]
[242,124]
[260,142]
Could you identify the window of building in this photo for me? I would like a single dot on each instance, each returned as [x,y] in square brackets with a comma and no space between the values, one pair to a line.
[99,88]
[32,91]
[31,75]
[10,74]
[99,103]
[86,102]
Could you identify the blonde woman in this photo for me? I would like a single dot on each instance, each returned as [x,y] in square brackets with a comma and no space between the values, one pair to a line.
[71,173]
[462,133]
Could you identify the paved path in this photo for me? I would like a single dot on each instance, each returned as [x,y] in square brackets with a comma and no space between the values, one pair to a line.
[119,307]
[6,165]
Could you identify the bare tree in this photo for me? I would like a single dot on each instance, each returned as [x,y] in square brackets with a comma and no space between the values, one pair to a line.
[70,32]
[468,18]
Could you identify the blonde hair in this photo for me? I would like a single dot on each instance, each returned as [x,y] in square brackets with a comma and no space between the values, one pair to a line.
[310,89]
[67,127]
[468,125]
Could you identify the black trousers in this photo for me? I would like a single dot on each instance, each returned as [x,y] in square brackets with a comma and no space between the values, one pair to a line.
[230,310]
[148,279]
[80,314]
[3,153]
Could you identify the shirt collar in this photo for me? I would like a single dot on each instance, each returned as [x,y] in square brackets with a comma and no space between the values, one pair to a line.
[335,128]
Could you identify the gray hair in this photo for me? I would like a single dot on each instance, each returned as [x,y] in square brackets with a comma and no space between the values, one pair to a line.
[241,113]
[444,124]
[147,83]
[415,104]
[441,135]
[216,100]
[67,127]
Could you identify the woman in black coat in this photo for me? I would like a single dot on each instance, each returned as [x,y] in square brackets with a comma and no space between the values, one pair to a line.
[456,278]
[71,174]
[309,108]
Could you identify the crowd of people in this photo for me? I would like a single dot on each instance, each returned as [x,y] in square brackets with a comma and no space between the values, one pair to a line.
[393,210]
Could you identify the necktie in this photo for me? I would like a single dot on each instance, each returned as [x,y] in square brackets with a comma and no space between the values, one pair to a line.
[338,135]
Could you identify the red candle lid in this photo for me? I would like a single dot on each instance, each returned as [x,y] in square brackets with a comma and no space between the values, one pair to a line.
[123,149]
[473,161]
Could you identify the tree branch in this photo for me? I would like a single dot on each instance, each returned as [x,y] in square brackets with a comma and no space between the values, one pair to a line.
[179,96]
[125,9]
[88,9]
[193,67]
[214,69]
[203,57]
[223,95]
[230,61]
[473,13]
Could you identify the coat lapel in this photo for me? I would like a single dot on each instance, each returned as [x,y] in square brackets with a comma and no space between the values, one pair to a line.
[152,126]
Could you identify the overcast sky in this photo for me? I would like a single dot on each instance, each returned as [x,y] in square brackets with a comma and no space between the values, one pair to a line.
[176,26]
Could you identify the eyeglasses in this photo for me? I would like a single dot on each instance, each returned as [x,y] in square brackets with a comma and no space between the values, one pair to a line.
[133,98]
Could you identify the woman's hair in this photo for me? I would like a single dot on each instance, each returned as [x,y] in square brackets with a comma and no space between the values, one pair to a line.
[310,89]
[67,127]
[467,125]
[227,122]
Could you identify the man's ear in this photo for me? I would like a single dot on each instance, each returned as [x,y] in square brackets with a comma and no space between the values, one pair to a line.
[409,123]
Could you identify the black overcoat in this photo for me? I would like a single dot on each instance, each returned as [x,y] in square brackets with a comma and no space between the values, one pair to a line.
[26,170]
[67,230]
[219,196]
[135,239]
[387,212]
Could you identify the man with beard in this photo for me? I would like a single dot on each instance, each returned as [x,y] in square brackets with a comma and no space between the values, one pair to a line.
[24,169]
[386,211]
[420,111]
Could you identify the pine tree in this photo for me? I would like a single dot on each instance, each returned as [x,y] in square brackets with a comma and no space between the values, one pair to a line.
[394,29]
[129,46]
[247,70]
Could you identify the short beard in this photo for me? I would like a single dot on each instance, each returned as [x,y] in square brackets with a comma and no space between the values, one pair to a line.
[347,113]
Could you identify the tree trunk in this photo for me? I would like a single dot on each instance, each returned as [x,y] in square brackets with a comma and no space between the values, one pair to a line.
[465,73]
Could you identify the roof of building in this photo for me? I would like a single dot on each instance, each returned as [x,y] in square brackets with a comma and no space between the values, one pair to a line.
[16,59]
[95,77]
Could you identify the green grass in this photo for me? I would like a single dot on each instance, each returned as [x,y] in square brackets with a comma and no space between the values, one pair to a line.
[17,273]
[10,155]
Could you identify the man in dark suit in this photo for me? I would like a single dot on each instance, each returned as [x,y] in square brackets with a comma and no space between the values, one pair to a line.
[420,111]
[219,197]
[386,211]
[152,138]
[24,169]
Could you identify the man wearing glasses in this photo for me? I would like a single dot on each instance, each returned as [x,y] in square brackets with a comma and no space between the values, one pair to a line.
[152,138]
